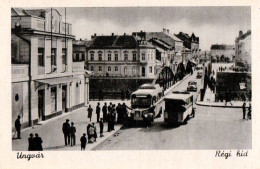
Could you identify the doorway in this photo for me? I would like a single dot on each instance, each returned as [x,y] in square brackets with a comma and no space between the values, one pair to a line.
[64,95]
[143,71]
[41,105]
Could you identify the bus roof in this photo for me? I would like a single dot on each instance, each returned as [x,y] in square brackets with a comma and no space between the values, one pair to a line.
[178,96]
[144,92]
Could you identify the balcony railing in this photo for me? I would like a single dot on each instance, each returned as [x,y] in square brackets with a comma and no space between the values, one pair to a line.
[19,71]
[78,66]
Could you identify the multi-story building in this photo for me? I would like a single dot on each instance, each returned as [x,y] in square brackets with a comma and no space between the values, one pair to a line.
[222,53]
[121,56]
[243,50]
[45,80]
[80,51]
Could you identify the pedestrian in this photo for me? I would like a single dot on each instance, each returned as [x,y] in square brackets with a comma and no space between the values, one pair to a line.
[124,111]
[98,111]
[110,107]
[113,117]
[122,95]
[31,143]
[244,110]
[88,131]
[104,110]
[91,132]
[90,110]
[95,131]
[127,94]
[101,126]
[18,125]
[228,98]
[66,132]
[37,142]
[249,112]
[83,142]
[72,134]
[119,113]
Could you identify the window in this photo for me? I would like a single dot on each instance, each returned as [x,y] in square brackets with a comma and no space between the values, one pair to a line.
[125,56]
[109,68]
[64,56]
[151,69]
[82,56]
[109,57]
[116,57]
[53,56]
[100,56]
[92,68]
[143,56]
[53,99]
[40,56]
[100,68]
[134,56]
[116,68]
[16,97]
[148,56]
[77,57]
[92,56]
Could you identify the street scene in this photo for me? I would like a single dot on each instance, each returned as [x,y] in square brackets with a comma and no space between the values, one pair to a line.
[135,78]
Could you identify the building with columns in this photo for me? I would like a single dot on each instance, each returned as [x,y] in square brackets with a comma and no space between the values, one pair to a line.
[46,82]
[121,56]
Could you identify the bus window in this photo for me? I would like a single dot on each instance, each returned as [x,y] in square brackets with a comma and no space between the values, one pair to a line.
[141,102]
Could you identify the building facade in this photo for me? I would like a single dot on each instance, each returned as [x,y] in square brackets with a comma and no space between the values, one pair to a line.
[222,53]
[243,50]
[45,80]
[121,56]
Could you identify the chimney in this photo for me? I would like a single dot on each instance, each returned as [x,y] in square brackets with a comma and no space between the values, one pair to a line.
[168,31]
[112,34]
[124,34]
[95,34]
[80,39]
[240,33]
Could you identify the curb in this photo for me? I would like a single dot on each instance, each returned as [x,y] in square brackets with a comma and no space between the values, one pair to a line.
[105,139]
[209,105]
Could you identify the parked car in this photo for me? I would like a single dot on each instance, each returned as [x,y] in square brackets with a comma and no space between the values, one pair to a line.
[199,75]
[192,86]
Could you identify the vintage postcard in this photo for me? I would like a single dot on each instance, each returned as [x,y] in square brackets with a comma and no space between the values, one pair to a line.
[87,80]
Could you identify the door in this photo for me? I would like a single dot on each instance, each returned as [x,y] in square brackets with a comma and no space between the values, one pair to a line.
[41,105]
[143,71]
[64,95]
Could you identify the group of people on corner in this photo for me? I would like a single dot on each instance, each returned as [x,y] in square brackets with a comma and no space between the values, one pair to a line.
[35,143]
[249,113]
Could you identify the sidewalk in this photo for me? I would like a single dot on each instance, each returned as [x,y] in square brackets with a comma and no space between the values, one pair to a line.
[235,104]
[51,130]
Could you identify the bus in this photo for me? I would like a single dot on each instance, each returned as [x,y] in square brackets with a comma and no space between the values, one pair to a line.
[145,103]
[178,107]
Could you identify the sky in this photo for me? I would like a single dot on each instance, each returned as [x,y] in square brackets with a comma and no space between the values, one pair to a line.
[213,25]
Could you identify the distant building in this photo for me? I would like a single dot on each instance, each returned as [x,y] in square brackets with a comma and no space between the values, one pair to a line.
[243,50]
[222,53]
[121,56]
[45,80]
[80,51]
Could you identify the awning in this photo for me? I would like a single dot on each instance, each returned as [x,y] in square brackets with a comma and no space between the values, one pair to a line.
[55,81]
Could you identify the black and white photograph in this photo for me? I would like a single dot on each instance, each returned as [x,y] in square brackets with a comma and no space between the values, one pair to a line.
[131,78]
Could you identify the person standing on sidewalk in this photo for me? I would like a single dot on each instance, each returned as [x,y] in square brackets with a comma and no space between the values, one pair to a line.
[98,111]
[249,112]
[244,110]
[113,117]
[109,121]
[119,113]
[72,134]
[18,125]
[104,110]
[83,142]
[31,143]
[90,110]
[66,132]
[101,126]
[37,142]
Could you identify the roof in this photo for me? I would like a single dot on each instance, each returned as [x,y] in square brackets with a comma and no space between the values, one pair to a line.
[160,43]
[124,41]
[81,42]
[144,92]
[180,96]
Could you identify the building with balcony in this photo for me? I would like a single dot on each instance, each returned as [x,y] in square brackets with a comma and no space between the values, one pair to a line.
[46,82]
[243,50]
[222,53]
[121,56]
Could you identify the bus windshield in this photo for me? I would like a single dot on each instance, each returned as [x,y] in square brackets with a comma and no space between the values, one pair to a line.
[141,102]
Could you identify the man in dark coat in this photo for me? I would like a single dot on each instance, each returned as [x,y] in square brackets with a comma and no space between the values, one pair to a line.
[122,94]
[83,142]
[73,134]
[119,113]
[244,110]
[101,126]
[110,107]
[113,117]
[98,111]
[37,142]
[109,121]
[90,110]
[249,112]
[31,143]
[104,110]
[127,94]
[18,126]
[124,111]
[66,132]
